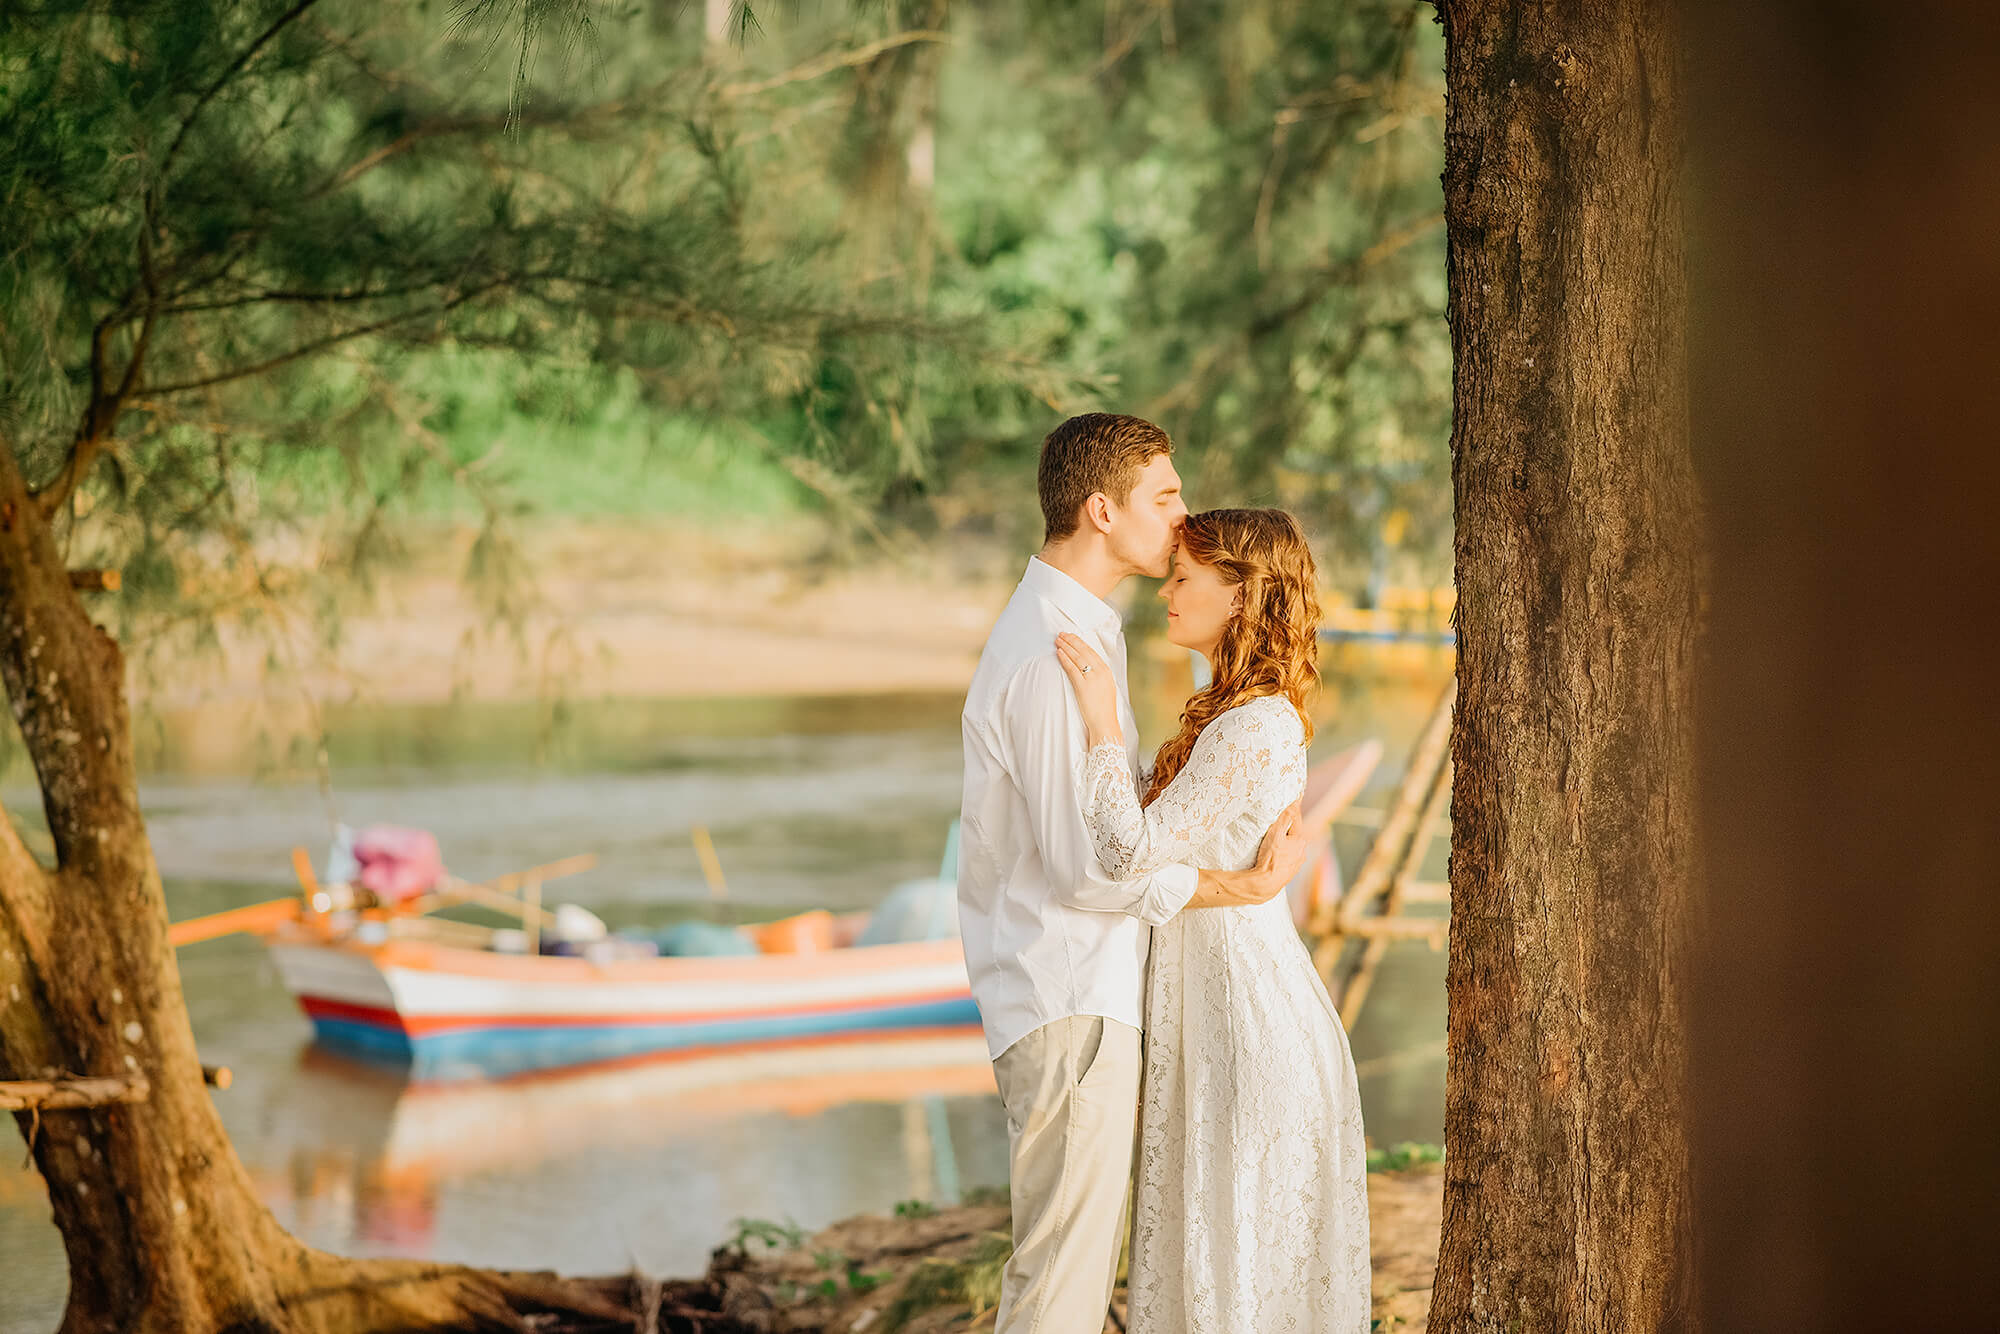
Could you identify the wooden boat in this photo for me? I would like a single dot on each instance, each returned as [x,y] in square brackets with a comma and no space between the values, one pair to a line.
[453,1012]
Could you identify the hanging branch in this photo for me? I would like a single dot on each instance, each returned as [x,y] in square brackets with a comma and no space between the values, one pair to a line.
[322,344]
[813,69]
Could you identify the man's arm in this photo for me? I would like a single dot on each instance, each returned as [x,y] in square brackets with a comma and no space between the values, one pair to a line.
[1043,736]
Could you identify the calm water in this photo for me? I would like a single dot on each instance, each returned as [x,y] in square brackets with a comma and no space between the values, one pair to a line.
[810,802]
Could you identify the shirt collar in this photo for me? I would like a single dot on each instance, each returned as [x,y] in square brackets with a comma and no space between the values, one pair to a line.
[1070,597]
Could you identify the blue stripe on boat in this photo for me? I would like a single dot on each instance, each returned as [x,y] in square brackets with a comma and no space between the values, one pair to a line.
[498,1051]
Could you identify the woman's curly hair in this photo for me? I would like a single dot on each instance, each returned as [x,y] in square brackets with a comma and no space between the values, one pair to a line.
[1271,645]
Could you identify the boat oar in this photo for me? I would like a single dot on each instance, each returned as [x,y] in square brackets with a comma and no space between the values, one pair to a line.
[264,918]
[258,918]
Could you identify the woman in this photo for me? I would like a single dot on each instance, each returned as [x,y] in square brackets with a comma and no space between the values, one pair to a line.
[1251,1211]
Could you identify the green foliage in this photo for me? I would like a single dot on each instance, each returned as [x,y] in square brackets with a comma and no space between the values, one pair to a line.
[1404,1156]
[771,1235]
[317,268]
[1234,210]
[915,1209]
[296,273]
[849,1275]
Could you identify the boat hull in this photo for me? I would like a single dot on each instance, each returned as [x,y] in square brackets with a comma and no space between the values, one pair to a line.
[457,1013]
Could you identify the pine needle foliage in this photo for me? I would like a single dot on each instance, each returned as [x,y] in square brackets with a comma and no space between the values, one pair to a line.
[235,232]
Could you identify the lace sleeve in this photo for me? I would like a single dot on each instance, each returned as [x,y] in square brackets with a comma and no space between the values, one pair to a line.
[1214,787]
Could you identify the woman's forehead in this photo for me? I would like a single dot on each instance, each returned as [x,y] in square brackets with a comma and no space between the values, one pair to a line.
[1186,563]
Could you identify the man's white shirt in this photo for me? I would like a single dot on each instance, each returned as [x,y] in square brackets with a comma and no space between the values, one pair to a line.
[1047,934]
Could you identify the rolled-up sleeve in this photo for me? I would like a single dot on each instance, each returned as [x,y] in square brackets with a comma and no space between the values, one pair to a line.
[1043,737]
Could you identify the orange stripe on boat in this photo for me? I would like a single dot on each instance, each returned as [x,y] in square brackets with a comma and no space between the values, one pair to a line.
[423,1025]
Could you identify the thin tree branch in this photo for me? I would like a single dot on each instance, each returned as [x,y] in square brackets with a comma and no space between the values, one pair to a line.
[1331,276]
[103,409]
[222,81]
[827,64]
[320,344]
[445,127]
[280,296]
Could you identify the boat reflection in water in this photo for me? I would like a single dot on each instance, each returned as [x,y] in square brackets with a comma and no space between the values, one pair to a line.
[646,1161]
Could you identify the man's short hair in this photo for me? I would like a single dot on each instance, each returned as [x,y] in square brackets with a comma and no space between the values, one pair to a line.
[1098,451]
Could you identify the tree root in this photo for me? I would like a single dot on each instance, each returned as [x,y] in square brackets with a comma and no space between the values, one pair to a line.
[404,1297]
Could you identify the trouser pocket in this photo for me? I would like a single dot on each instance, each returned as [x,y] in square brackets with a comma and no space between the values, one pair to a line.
[1089,1049]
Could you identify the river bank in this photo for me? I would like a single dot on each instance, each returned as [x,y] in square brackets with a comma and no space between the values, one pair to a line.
[931,1271]
[608,608]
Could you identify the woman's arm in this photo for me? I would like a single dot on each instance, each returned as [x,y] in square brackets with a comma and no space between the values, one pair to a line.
[1216,786]
[1145,841]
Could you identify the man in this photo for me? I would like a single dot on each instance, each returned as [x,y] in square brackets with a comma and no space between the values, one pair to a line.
[1056,950]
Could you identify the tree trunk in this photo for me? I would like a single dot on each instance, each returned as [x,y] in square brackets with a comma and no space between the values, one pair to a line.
[1576,553]
[1846,1005]
[162,1227]
[893,138]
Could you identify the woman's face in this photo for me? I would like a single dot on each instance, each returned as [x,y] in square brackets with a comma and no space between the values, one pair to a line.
[1199,604]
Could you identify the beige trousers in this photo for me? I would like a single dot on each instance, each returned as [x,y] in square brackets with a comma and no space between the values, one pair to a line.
[1071,1089]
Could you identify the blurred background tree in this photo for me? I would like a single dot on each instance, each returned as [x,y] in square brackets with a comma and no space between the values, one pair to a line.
[281,280]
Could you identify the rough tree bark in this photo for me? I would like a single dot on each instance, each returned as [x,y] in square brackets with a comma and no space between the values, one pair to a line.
[1576,553]
[1846,1007]
[163,1229]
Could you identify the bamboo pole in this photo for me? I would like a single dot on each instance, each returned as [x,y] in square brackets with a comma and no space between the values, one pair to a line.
[555,870]
[531,914]
[1387,850]
[1430,930]
[465,891]
[1361,817]
[1333,923]
[52,1095]
[443,931]
[711,865]
[499,892]
[1362,979]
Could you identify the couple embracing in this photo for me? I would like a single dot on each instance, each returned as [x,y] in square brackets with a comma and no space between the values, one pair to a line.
[1099,902]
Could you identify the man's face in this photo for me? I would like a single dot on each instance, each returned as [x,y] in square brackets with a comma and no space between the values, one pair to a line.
[1145,528]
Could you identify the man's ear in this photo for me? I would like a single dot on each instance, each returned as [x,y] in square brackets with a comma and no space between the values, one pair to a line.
[1097,510]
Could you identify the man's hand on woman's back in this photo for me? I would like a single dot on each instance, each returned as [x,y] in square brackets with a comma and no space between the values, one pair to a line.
[1279,858]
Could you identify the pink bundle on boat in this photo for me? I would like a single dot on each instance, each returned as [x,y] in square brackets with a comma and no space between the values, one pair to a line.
[397,863]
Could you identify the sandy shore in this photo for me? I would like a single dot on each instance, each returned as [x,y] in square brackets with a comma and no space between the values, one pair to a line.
[611,610]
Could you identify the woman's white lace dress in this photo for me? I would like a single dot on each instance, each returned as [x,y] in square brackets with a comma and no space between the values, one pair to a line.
[1251,1211]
